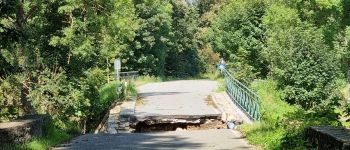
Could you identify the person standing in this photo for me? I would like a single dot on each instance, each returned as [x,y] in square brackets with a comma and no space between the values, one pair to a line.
[222,65]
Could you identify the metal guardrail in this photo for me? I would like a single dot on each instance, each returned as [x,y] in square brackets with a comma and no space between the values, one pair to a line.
[130,75]
[242,96]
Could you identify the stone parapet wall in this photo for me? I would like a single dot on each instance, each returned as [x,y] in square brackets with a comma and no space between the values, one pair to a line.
[327,137]
[21,130]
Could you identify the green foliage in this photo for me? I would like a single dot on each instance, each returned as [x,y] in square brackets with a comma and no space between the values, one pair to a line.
[182,59]
[52,135]
[53,94]
[301,46]
[9,99]
[296,122]
[239,38]
[108,93]
[283,125]
[207,11]
[305,69]
[268,134]
[52,55]
[130,90]
[56,56]
[325,14]
[147,79]
[273,107]
[280,17]
[149,48]
[204,6]
[165,43]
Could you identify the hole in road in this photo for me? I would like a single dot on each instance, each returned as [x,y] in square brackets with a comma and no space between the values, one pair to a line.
[146,126]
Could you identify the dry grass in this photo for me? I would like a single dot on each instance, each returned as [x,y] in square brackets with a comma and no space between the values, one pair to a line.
[210,102]
[140,101]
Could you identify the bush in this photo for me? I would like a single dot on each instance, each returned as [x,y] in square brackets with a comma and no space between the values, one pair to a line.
[53,94]
[10,103]
[283,125]
[300,60]
[84,102]
[108,93]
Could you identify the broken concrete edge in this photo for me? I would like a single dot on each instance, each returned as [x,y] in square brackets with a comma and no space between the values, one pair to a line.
[114,121]
[21,130]
[243,116]
[129,112]
[103,122]
[105,117]
[177,118]
[213,98]
[216,106]
[126,117]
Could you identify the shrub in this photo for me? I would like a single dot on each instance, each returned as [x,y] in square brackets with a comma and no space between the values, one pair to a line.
[283,125]
[302,63]
[108,93]
[10,103]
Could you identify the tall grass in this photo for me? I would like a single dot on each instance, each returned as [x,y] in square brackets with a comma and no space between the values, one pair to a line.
[151,79]
[55,137]
[283,125]
[273,107]
[147,79]
[108,93]
[52,136]
[268,134]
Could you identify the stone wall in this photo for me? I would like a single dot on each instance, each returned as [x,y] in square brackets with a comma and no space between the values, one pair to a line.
[21,130]
[326,137]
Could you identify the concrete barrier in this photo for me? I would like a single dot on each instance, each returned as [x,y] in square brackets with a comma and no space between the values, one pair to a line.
[21,130]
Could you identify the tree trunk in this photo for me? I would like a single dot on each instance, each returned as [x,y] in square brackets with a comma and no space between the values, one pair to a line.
[26,105]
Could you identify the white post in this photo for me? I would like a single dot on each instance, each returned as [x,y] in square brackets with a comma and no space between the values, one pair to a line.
[118,75]
[117,67]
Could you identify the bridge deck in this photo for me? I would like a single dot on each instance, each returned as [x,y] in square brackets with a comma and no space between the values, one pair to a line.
[176,100]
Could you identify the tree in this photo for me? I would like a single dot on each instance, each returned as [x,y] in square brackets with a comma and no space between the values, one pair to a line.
[239,38]
[147,51]
[207,11]
[307,71]
[300,59]
[182,59]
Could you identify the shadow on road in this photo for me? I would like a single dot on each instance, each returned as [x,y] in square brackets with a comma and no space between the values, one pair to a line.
[159,93]
[130,141]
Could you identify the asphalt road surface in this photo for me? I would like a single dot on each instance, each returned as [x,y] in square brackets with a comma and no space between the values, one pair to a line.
[222,139]
[184,98]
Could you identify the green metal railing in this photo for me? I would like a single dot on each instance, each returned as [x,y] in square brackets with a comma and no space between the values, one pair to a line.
[242,96]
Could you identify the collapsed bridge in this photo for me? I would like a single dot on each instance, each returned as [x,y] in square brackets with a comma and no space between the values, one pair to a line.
[176,102]
[180,106]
